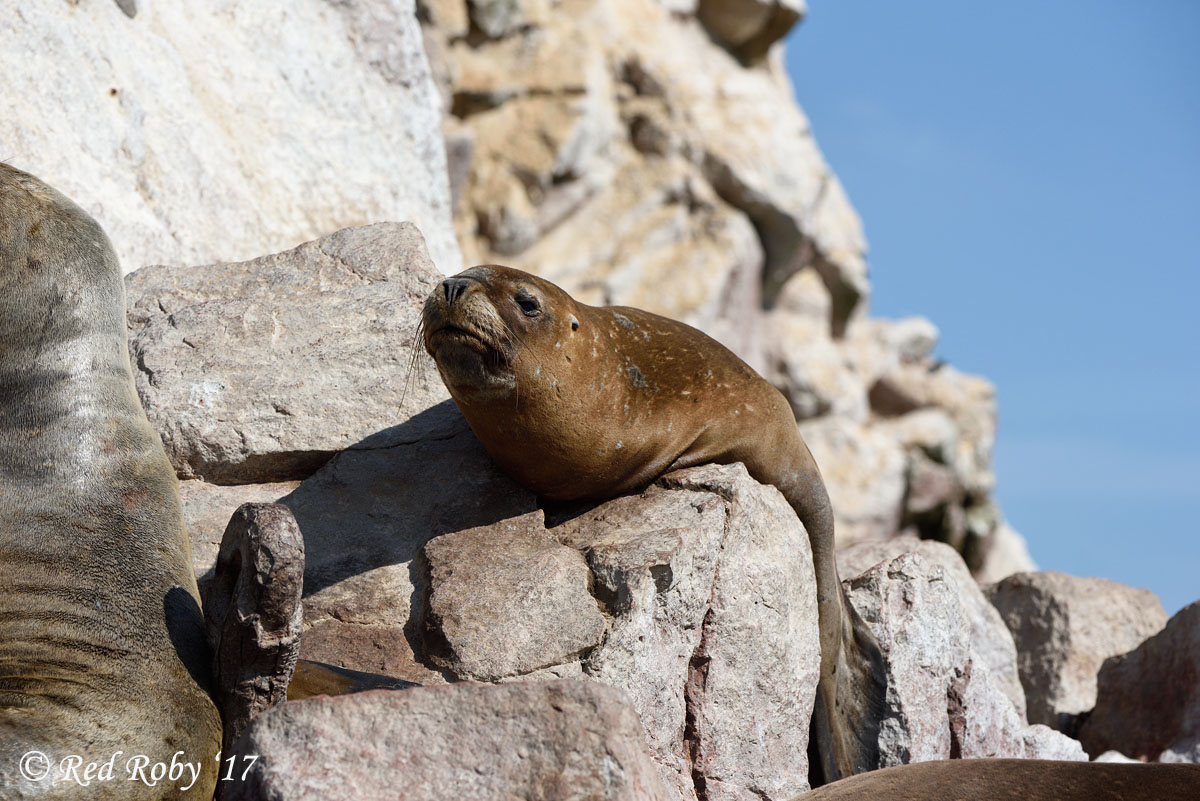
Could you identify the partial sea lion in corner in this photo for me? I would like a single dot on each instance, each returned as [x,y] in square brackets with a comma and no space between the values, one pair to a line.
[1017,780]
[103,659]
[582,402]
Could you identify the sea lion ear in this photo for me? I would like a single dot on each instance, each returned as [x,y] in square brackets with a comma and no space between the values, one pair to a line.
[574,323]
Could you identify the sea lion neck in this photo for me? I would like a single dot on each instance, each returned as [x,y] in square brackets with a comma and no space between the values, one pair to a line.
[66,391]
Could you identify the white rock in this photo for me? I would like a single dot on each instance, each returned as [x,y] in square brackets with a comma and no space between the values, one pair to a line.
[197,133]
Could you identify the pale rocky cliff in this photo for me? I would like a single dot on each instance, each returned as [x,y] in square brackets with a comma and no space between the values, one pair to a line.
[651,154]
[658,645]
[203,131]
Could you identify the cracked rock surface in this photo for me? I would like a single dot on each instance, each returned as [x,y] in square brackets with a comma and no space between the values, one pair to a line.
[335,319]
[553,741]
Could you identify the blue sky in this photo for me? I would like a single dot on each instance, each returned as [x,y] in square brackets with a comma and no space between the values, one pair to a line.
[1028,174]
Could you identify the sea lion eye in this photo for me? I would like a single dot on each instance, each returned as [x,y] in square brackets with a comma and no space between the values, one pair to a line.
[529,305]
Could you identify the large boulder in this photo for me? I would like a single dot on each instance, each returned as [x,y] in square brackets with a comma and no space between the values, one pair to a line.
[195,135]
[1064,628]
[544,740]
[260,371]
[1148,702]
[989,637]
[943,699]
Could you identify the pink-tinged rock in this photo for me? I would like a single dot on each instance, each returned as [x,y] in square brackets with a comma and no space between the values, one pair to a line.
[507,599]
[1064,628]
[943,701]
[989,637]
[709,582]
[1148,704]
[366,516]
[533,740]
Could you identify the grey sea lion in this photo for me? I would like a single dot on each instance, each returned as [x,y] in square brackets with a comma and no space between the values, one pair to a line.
[103,656]
[582,402]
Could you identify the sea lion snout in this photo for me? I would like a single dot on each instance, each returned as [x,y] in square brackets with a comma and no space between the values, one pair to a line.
[454,286]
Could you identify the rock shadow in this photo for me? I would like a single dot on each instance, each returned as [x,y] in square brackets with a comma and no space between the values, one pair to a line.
[379,501]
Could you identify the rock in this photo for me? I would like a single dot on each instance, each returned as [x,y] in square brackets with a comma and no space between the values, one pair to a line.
[709,581]
[1064,628]
[864,471]
[1114,756]
[1043,742]
[943,700]
[990,639]
[207,509]
[912,338]
[810,369]
[931,431]
[253,615]
[367,514]
[1148,703]
[544,740]
[508,599]
[969,400]
[749,27]
[338,123]
[336,319]
[1005,553]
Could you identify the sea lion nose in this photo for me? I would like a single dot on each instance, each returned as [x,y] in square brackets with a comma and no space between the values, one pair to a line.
[454,287]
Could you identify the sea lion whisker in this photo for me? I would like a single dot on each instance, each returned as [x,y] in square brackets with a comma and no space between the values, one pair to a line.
[414,352]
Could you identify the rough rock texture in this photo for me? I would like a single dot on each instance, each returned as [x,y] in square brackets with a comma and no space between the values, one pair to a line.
[508,599]
[989,637]
[1148,704]
[253,614]
[537,740]
[200,133]
[943,700]
[207,509]
[709,580]
[1064,628]
[686,597]
[366,516]
[335,320]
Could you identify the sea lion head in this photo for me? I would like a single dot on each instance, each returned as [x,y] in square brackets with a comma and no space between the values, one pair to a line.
[480,324]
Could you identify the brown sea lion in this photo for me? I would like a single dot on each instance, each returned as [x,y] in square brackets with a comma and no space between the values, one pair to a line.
[583,402]
[103,660]
[1017,780]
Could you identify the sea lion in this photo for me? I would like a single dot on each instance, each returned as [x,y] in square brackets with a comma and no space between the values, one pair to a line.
[102,643]
[1017,780]
[582,402]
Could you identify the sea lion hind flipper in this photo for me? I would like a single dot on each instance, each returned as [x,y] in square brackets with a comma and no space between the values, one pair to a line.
[844,738]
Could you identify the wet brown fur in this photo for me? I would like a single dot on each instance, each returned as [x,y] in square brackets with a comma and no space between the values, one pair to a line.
[582,402]
[101,638]
[1017,780]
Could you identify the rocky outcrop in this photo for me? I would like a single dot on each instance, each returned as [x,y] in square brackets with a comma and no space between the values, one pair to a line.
[424,563]
[196,136]
[550,740]
[1064,628]
[1148,702]
[649,153]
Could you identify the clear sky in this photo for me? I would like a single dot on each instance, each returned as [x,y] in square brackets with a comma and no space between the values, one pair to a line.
[1028,174]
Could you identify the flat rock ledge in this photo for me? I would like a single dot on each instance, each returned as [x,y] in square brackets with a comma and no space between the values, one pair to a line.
[537,740]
